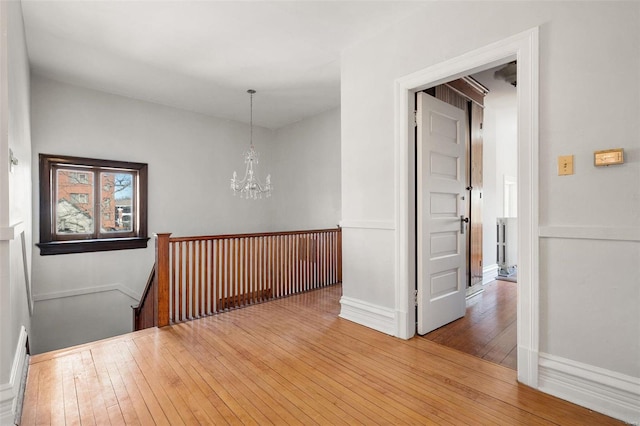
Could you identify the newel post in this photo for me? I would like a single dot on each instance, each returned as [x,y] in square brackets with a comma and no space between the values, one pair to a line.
[162,279]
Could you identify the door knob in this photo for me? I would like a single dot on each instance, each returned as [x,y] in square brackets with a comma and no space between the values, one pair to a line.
[463,221]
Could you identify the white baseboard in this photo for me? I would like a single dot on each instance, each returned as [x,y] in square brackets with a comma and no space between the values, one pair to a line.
[88,290]
[489,273]
[9,391]
[367,314]
[608,392]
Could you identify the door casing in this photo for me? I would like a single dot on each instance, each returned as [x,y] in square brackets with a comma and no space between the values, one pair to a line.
[522,47]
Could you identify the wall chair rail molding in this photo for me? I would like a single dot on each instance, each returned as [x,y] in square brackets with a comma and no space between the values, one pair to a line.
[8,233]
[591,233]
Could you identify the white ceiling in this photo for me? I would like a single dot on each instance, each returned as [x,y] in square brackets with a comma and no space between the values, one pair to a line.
[204,55]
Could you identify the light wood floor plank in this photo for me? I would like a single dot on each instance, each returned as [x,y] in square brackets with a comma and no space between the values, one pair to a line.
[290,361]
[243,398]
[240,365]
[135,398]
[157,386]
[71,407]
[270,382]
[293,381]
[147,395]
[256,349]
[57,397]
[43,409]
[488,329]
[385,369]
[286,358]
[30,402]
[108,358]
[95,389]
[401,384]
[106,387]
[181,375]
[218,395]
[346,367]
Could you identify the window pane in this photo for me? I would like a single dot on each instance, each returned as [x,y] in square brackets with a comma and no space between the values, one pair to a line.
[74,208]
[116,205]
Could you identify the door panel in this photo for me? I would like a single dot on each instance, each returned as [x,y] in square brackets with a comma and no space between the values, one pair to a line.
[440,186]
[467,94]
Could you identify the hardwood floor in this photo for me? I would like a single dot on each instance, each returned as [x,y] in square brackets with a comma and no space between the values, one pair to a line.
[488,329]
[290,361]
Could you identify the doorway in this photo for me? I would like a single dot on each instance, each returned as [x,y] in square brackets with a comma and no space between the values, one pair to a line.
[487,327]
[522,47]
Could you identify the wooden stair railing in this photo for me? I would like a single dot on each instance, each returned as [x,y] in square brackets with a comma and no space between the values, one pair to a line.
[200,276]
[144,313]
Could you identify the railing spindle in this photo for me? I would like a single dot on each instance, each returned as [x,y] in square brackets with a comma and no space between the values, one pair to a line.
[221,275]
[214,276]
[298,260]
[246,296]
[174,292]
[270,262]
[229,283]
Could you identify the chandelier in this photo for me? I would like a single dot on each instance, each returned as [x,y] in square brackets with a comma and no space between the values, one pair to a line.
[250,186]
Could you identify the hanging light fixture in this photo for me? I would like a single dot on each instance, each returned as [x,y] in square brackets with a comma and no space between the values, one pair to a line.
[250,186]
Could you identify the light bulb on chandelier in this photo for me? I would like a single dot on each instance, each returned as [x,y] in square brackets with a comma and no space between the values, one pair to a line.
[250,186]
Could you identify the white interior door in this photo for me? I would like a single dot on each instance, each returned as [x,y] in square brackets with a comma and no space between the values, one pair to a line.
[441,206]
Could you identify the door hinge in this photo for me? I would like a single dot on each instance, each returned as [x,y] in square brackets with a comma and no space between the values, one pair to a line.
[415,118]
[481,124]
[415,297]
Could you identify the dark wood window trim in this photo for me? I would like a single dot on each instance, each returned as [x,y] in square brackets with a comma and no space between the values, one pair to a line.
[51,243]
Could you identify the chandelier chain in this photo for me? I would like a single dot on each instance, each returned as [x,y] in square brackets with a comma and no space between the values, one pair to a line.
[251,92]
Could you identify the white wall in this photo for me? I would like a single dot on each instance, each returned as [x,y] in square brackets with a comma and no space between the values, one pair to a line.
[490,199]
[15,204]
[307,160]
[96,315]
[191,159]
[589,100]
[500,158]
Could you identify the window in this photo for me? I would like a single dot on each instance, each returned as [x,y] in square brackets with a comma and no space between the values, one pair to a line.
[91,205]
